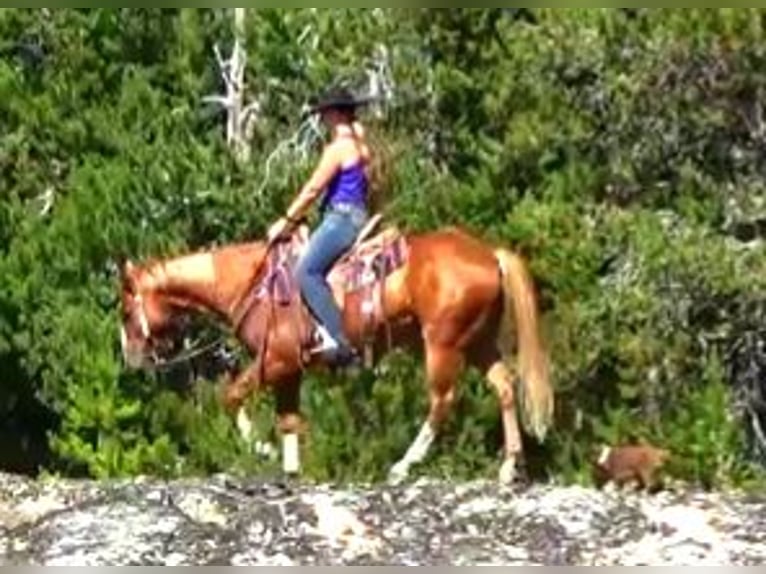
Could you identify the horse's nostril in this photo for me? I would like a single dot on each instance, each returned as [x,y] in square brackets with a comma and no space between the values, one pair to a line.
[140,361]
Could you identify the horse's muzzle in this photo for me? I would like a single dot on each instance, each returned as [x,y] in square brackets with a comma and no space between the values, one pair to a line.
[133,358]
[135,361]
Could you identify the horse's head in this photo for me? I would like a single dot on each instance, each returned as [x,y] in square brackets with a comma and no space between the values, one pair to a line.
[147,316]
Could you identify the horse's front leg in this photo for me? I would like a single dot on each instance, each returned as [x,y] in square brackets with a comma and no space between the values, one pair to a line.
[290,422]
[235,394]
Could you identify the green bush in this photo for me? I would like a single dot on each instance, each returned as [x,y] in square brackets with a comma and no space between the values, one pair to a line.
[619,150]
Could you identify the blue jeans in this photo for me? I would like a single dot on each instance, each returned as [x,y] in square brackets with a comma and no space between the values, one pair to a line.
[332,238]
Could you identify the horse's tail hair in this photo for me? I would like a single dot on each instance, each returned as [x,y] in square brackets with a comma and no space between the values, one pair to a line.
[520,307]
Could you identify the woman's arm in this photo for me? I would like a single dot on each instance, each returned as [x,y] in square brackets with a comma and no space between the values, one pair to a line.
[328,165]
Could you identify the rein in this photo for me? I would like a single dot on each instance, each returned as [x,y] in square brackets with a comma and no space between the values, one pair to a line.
[239,311]
[186,356]
[242,306]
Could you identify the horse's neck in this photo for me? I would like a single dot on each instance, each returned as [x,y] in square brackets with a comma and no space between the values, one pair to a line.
[212,281]
[192,282]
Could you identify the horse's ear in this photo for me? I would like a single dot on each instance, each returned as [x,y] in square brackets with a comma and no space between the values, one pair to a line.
[128,268]
[127,272]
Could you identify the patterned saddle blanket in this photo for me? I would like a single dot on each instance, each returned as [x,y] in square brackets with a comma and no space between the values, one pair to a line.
[365,265]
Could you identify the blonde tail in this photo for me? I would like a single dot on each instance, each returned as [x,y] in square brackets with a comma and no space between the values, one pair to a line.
[520,307]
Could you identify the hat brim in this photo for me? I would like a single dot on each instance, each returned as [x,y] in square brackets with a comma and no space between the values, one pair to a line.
[340,104]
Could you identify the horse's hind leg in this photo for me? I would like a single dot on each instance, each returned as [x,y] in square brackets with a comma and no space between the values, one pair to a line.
[443,366]
[501,379]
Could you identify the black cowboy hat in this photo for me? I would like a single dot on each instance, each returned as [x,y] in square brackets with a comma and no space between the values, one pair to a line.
[340,98]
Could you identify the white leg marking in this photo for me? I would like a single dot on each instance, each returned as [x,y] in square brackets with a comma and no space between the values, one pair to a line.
[290,454]
[245,425]
[604,456]
[124,342]
[508,471]
[415,454]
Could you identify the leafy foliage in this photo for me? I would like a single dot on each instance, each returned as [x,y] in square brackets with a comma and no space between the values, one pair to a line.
[620,150]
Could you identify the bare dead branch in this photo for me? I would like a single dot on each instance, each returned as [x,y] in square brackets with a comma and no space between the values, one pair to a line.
[240,119]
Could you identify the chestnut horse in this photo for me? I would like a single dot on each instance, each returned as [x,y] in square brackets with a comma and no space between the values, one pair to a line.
[460,300]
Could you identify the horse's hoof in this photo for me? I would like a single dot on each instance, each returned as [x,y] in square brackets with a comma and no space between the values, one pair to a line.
[397,475]
[507,474]
[264,450]
[245,426]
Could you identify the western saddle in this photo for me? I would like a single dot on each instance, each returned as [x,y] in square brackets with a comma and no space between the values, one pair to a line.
[357,280]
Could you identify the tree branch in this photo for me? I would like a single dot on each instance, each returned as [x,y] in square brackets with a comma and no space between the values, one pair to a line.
[240,118]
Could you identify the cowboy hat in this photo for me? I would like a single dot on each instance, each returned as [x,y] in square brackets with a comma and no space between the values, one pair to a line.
[337,98]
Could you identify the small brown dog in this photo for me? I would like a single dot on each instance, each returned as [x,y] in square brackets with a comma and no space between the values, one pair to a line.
[622,465]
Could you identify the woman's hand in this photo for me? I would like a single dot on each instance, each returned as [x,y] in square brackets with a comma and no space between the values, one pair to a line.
[277,229]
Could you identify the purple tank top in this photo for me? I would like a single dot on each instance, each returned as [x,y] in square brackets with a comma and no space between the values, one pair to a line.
[349,185]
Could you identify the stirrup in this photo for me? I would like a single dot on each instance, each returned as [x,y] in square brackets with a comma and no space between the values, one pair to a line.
[332,351]
[343,357]
[323,342]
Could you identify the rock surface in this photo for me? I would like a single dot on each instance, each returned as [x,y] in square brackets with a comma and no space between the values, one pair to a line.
[226,521]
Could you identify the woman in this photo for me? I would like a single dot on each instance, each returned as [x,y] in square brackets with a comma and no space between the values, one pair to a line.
[343,172]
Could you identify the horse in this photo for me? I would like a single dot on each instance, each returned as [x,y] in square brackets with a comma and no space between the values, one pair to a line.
[456,299]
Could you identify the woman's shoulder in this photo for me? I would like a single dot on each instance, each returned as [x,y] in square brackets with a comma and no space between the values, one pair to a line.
[346,147]
[358,129]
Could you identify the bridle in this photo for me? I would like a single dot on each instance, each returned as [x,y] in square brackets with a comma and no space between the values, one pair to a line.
[143,320]
[240,310]
[156,361]
[143,323]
